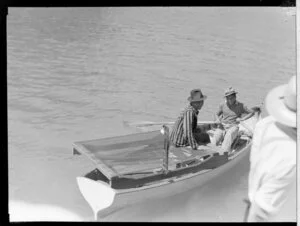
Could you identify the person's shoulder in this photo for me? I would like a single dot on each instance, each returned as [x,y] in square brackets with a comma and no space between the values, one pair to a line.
[263,124]
[240,104]
[273,130]
[244,106]
[188,108]
[265,121]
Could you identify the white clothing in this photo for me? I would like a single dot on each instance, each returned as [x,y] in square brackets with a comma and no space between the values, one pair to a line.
[272,168]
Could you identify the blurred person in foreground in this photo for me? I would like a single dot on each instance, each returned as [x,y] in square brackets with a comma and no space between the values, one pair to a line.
[185,132]
[229,115]
[273,155]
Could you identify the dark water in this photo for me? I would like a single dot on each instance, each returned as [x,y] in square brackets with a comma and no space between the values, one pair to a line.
[79,73]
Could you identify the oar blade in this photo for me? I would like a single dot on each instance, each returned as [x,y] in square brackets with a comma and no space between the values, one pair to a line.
[141,123]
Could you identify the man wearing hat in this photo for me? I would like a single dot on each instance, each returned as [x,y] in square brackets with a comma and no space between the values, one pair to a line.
[229,115]
[184,132]
[273,155]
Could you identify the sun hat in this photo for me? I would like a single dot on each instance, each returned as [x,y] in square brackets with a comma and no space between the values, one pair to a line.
[196,95]
[229,91]
[281,103]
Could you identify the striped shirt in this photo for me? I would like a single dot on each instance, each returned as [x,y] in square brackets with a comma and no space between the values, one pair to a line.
[185,125]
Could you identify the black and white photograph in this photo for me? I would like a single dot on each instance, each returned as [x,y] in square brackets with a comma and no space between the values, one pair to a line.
[152,113]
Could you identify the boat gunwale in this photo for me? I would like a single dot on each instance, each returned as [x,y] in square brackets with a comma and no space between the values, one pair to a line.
[173,170]
[231,157]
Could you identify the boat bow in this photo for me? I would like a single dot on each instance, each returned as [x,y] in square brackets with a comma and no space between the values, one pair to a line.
[98,194]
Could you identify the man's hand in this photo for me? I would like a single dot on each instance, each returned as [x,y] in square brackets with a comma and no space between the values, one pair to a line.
[238,120]
[217,120]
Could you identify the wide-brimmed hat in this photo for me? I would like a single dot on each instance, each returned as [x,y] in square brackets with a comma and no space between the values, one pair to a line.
[281,103]
[229,92]
[196,95]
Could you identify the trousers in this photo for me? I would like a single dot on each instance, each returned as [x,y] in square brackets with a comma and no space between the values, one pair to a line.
[201,137]
[228,136]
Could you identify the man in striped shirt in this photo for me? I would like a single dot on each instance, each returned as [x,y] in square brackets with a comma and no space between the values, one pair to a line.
[184,132]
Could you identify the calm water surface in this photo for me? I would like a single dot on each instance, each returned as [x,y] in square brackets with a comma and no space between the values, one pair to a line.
[79,73]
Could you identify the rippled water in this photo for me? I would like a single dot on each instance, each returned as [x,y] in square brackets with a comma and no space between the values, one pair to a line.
[79,73]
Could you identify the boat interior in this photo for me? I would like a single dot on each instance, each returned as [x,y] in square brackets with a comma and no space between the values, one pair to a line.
[142,159]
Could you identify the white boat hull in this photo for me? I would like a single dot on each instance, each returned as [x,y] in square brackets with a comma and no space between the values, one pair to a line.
[99,194]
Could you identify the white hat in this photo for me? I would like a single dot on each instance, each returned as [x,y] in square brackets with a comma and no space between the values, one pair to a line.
[281,103]
[230,91]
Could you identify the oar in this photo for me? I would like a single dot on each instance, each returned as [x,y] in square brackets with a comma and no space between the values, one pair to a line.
[150,123]
[146,124]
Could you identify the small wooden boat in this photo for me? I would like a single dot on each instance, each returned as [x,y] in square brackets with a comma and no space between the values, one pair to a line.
[138,167]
